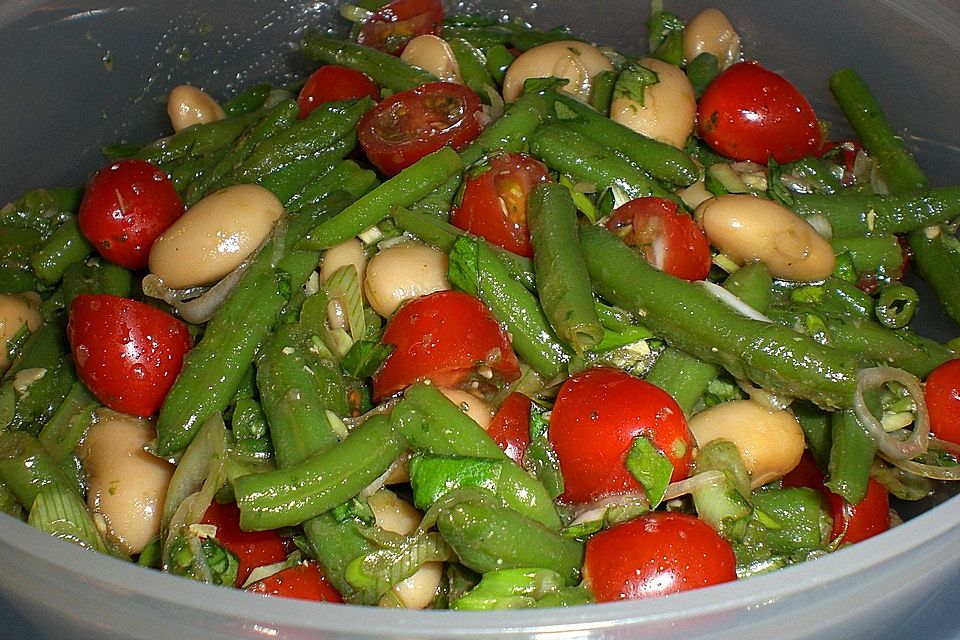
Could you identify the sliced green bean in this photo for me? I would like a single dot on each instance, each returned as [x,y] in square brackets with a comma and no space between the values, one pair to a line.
[64,247]
[386,70]
[896,305]
[861,214]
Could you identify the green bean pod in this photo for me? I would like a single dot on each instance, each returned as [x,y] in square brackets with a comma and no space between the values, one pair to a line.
[386,70]
[64,247]
[896,305]
[861,214]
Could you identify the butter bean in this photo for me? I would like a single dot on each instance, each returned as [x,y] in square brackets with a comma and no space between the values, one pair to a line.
[347,252]
[16,310]
[477,409]
[575,61]
[710,31]
[432,54]
[214,236]
[669,109]
[403,272]
[187,106]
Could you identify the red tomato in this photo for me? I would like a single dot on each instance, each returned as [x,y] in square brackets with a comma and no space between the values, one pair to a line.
[656,554]
[333,82]
[126,352]
[124,208]
[444,336]
[847,152]
[397,23]
[863,520]
[253,548]
[670,240]
[304,581]
[494,203]
[411,124]
[805,474]
[751,113]
[595,419]
[941,391]
[510,428]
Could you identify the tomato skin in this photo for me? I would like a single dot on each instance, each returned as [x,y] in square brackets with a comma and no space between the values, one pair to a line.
[444,337]
[125,207]
[495,202]
[751,113]
[656,554]
[597,415]
[304,581]
[941,391]
[412,124]
[127,353]
[334,82]
[398,22]
[670,240]
[252,548]
[510,427]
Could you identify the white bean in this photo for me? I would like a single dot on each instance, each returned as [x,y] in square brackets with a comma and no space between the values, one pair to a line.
[710,31]
[127,485]
[392,513]
[432,54]
[214,236]
[575,61]
[770,442]
[669,109]
[188,105]
[748,229]
[347,252]
[695,194]
[403,272]
[471,405]
[16,310]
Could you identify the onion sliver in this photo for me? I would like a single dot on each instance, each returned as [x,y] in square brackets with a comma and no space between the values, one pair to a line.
[733,301]
[932,471]
[890,446]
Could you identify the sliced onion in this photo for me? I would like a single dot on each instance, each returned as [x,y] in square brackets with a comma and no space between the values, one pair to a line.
[821,225]
[771,401]
[932,471]
[496,107]
[892,447]
[733,301]
[595,509]
[201,308]
[693,483]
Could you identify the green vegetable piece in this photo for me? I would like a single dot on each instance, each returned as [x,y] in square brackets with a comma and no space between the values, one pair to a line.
[896,306]
[650,468]
[800,522]
[523,588]
[851,454]
[725,505]
[666,37]
[60,511]
[702,70]
[389,72]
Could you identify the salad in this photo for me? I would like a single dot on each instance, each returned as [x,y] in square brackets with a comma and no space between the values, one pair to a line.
[431,330]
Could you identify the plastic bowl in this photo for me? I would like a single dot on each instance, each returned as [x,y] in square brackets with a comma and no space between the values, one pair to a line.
[80,73]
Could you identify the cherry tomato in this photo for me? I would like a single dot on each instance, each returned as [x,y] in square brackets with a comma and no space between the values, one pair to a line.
[846,153]
[398,22]
[124,208]
[126,352]
[252,548]
[333,82]
[304,581]
[510,428]
[656,554]
[445,336]
[411,124]
[670,240]
[942,393]
[595,419]
[751,113]
[494,203]
[805,474]
[863,520]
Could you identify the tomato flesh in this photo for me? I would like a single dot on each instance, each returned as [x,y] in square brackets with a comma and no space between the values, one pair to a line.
[127,353]
[597,415]
[656,554]
[510,427]
[495,202]
[252,548]
[942,393]
[670,240]
[333,82]
[412,124]
[751,113]
[444,337]
[398,22]
[304,581]
[125,207]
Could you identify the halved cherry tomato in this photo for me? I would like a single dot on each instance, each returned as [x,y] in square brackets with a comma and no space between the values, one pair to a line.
[941,391]
[670,240]
[656,554]
[594,421]
[411,124]
[751,113]
[252,548]
[124,208]
[333,82]
[126,352]
[510,428]
[398,22]
[304,581]
[494,203]
[444,337]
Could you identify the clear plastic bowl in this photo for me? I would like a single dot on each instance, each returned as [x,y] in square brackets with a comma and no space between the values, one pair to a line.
[80,73]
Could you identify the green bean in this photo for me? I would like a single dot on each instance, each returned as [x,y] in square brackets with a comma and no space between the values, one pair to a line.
[345,172]
[702,70]
[526,39]
[851,454]
[63,432]
[601,91]
[561,275]
[751,283]
[214,368]
[816,425]
[386,70]
[867,214]
[405,188]
[248,101]
[473,67]
[660,160]
[692,320]
[9,503]
[26,467]
[499,60]
[588,161]
[836,297]
[196,140]
[879,256]
[287,182]
[292,495]
[896,305]
[476,269]
[936,257]
[481,37]
[64,247]
[42,210]
[16,246]
[510,131]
